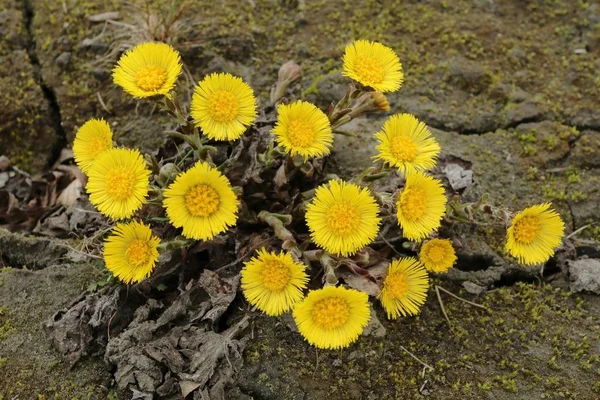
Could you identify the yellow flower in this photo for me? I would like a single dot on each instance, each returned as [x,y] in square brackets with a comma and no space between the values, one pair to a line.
[273,282]
[374,65]
[131,252]
[303,129]
[223,106]
[202,202]
[534,234]
[421,205]
[406,143]
[91,139]
[342,218]
[149,69]
[118,182]
[404,288]
[437,255]
[332,317]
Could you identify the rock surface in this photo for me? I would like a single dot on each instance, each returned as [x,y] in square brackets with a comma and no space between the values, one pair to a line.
[585,275]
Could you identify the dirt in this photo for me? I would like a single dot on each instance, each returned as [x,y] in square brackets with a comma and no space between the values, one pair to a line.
[511,92]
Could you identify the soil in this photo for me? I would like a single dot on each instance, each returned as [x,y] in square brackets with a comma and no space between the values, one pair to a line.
[511,91]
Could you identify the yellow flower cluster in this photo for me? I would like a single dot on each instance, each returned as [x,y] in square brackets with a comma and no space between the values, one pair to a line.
[342,218]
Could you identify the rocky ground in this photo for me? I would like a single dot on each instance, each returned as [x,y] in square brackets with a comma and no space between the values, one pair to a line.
[511,91]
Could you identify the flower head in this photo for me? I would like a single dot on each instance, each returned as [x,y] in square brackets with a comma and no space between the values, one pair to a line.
[332,317]
[437,255]
[421,205]
[202,202]
[131,252]
[381,102]
[303,129]
[118,182]
[149,69]
[273,282]
[374,65]
[404,288]
[534,234]
[223,106]
[406,143]
[91,139]
[342,218]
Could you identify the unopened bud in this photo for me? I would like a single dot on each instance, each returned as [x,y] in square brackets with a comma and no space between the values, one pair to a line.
[380,100]
[167,173]
[288,73]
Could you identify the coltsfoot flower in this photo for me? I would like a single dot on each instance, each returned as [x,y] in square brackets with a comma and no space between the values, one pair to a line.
[374,65]
[303,129]
[342,218]
[223,106]
[149,69]
[91,139]
[437,255]
[131,252]
[273,282]
[421,205]
[118,182]
[534,234]
[332,317]
[406,143]
[404,288]
[202,202]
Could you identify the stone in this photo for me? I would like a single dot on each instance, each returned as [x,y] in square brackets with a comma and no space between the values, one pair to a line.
[331,89]
[63,60]
[468,75]
[585,275]
[524,112]
[93,46]
[458,177]
[474,288]
[100,74]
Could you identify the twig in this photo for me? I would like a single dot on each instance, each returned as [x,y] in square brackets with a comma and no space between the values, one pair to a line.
[80,252]
[416,358]
[463,300]
[437,292]
[240,259]
[578,230]
[389,245]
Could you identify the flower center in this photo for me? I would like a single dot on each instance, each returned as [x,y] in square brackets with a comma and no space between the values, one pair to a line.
[300,133]
[404,148]
[413,203]
[331,313]
[397,285]
[436,253]
[223,106]
[138,252]
[120,183]
[275,275]
[150,78]
[343,218]
[202,200]
[526,230]
[97,145]
[369,70]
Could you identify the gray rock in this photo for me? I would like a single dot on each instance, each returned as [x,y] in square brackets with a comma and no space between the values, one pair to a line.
[473,288]
[375,328]
[93,46]
[63,60]
[458,177]
[100,74]
[585,275]
[468,75]
[527,111]
[331,89]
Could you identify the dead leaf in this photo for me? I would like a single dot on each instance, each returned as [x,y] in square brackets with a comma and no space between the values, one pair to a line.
[71,193]
[113,15]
